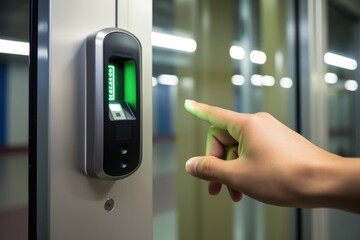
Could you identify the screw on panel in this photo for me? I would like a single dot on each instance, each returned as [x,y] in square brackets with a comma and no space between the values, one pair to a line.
[109,204]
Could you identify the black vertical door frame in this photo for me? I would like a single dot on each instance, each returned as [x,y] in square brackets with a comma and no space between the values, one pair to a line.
[297,9]
[39,213]
[32,226]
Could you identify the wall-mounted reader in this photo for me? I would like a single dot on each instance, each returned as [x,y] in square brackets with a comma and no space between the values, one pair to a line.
[113,104]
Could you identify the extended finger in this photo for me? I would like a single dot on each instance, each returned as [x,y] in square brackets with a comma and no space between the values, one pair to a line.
[222,118]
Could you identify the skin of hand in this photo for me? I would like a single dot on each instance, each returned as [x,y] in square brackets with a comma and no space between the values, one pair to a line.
[256,155]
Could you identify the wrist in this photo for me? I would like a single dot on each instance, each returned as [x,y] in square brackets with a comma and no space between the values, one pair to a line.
[333,182]
[320,180]
[346,188]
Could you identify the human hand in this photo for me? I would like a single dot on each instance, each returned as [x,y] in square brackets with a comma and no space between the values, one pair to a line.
[264,159]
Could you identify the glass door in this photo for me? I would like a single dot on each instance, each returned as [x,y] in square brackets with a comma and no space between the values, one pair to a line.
[14,104]
[342,78]
[238,55]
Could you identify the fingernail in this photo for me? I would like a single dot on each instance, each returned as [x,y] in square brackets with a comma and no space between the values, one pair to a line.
[188,104]
[191,165]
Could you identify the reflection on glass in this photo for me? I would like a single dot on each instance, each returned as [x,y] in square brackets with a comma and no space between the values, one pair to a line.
[240,55]
[342,79]
[256,80]
[351,85]
[238,80]
[173,42]
[286,82]
[167,79]
[237,52]
[331,78]
[257,57]
[14,47]
[14,88]
[13,146]
[340,61]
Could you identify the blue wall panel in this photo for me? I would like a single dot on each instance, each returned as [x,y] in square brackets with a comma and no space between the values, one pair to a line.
[164,119]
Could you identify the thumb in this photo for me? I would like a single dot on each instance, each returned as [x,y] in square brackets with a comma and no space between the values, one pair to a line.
[208,168]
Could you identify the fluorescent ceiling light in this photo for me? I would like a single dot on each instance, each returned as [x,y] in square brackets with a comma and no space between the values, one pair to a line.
[154,81]
[166,79]
[237,52]
[259,80]
[286,82]
[257,57]
[238,80]
[351,85]
[340,61]
[331,78]
[256,80]
[173,42]
[187,82]
[14,47]
[268,81]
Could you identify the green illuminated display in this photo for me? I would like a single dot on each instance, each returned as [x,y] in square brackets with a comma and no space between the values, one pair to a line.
[121,88]
[130,83]
[111,82]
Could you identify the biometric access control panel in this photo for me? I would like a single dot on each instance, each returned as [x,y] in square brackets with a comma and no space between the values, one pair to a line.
[113,104]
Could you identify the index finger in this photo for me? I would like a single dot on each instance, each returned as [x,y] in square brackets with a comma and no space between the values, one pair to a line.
[219,117]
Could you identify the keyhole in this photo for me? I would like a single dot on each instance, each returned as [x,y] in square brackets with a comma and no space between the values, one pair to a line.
[109,204]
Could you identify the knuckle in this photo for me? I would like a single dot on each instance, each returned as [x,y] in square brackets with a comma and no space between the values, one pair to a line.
[256,119]
[206,168]
[264,115]
[267,117]
[212,129]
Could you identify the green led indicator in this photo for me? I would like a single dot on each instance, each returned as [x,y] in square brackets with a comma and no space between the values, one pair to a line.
[130,83]
[111,82]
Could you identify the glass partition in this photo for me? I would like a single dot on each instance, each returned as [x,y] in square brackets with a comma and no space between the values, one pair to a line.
[14,88]
[236,54]
[342,78]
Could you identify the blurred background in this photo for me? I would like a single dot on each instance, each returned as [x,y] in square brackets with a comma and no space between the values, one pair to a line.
[250,56]
[14,104]
[244,55]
